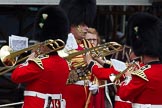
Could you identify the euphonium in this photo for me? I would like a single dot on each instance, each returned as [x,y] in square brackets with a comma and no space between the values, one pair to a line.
[9,57]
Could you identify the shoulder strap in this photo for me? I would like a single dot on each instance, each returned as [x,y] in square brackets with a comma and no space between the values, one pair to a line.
[38,60]
[140,72]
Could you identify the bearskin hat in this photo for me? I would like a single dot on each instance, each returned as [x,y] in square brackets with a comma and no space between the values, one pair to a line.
[80,11]
[51,23]
[143,34]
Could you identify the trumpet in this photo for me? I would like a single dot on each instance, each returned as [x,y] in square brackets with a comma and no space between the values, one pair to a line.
[9,58]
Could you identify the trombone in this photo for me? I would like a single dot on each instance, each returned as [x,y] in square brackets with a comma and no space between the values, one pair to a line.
[9,58]
[101,50]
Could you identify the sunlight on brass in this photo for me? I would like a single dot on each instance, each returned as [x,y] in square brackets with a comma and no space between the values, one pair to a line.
[84,74]
[8,56]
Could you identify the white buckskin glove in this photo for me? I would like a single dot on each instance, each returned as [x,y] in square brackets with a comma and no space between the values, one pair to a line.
[127,80]
[93,88]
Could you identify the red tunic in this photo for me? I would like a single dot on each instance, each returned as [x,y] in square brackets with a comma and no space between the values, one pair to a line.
[98,100]
[52,79]
[121,103]
[103,74]
[76,95]
[144,91]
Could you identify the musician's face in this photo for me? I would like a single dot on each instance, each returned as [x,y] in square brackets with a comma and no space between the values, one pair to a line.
[92,38]
[79,31]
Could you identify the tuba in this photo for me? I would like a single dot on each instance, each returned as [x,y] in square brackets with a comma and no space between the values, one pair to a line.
[9,58]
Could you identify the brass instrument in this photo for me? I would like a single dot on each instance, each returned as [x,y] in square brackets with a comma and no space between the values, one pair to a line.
[101,50]
[116,78]
[80,71]
[9,57]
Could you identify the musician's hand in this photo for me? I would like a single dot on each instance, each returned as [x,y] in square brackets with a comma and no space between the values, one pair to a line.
[88,58]
[93,88]
[127,80]
[94,56]
[112,77]
[131,69]
[128,73]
